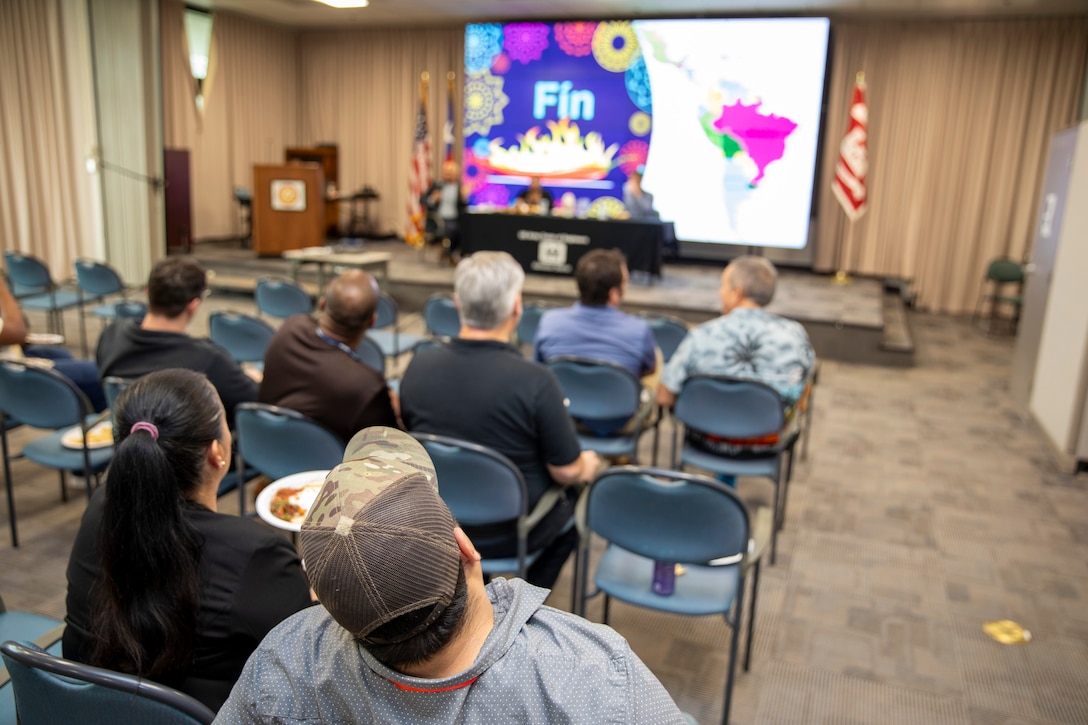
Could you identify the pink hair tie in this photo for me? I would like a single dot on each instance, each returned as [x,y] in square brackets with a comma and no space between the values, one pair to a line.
[149,427]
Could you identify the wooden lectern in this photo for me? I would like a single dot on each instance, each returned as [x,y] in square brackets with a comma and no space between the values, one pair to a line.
[288,208]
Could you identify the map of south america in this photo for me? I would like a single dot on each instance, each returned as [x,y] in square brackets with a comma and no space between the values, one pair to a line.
[762,137]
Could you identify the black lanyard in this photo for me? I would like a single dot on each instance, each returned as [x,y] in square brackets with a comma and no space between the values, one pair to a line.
[336,343]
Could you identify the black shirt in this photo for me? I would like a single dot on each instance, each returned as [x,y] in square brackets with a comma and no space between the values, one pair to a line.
[251,580]
[485,392]
[129,351]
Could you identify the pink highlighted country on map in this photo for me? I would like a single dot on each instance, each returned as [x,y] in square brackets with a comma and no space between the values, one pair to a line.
[763,137]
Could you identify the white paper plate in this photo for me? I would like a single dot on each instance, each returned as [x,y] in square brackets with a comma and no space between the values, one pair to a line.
[44,338]
[100,436]
[305,479]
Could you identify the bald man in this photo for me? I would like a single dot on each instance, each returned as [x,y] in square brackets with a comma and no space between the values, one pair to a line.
[312,367]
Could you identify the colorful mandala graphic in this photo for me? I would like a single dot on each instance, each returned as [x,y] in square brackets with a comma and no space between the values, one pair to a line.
[632,155]
[483,41]
[639,123]
[524,42]
[501,64]
[606,207]
[637,80]
[615,45]
[484,101]
[495,194]
[575,38]
[474,177]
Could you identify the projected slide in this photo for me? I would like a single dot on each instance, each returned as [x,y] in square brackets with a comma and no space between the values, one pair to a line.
[722,116]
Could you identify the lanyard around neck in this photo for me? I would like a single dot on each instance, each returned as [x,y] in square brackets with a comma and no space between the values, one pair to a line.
[336,343]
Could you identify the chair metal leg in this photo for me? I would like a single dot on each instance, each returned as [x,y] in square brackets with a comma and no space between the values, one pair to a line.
[806,429]
[7,482]
[63,485]
[607,602]
[751,616]
[774,523]
[788,454]
[733,646]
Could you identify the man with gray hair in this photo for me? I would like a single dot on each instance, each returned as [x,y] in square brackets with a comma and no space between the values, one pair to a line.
[746,341]
[479,388]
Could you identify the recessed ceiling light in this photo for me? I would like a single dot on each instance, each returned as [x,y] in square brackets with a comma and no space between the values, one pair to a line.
[346,3]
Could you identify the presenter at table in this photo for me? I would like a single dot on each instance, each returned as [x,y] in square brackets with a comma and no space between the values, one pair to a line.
[535,199]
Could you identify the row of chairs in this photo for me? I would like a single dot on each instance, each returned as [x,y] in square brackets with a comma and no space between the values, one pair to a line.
[33,286]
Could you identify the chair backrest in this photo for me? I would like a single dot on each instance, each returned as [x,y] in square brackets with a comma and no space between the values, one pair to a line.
[278,441]
[441,316]
[1004,271]
[387,312]
[371,354]
[40,398]
[530,320]
[480,485]
[597,390]
[50,689]
[668,333]
[28,274]
[129,310]
[97,279]
[729,407]
[246,338]
[242,196]
[113,386]
[667,515]
[281,298]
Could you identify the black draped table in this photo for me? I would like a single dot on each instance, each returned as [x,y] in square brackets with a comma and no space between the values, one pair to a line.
[555,244]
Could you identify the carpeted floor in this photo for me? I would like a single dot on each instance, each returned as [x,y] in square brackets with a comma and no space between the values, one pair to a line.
[927,506]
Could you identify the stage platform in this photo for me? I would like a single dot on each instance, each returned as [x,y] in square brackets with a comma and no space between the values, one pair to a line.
[861,322]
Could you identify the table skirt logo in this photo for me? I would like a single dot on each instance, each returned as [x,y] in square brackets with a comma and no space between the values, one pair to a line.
[552,253]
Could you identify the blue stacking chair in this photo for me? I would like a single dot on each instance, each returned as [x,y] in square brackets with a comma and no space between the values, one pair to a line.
[50,689]
[246,338]
[441,317]
[530,320]
[668,333]
[371,354]
[33,286]
[278,441]
[601,398]
[278,297]
[651,517]
[96,281]
[738,409]
[24,627]
[43,398]
[483,487]
[386,332]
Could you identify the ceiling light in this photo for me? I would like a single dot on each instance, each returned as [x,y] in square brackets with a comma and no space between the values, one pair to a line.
[346,3]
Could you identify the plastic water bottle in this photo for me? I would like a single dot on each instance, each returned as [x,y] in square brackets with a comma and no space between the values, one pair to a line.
[664,583]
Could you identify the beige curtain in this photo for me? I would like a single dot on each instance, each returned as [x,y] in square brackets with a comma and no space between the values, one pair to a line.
[960,116]
[46,132]
[250,110]
[360,90]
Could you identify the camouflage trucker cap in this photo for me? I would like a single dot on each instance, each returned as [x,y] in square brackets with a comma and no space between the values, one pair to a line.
[378,542]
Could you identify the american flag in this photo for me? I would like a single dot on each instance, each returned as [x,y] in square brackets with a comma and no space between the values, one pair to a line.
[849,184]
[419,179]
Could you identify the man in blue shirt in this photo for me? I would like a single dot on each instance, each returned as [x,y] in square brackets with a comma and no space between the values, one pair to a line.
[595,327]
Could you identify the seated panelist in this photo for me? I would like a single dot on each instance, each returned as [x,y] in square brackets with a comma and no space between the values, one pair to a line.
[535,199]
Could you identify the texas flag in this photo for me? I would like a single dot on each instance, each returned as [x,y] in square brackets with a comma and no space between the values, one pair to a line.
[853,165]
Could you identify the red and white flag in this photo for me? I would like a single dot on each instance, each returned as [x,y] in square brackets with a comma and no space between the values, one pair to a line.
[853,166]
[419,178]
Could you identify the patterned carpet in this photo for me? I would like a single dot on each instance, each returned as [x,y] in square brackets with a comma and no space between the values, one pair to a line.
[927,507]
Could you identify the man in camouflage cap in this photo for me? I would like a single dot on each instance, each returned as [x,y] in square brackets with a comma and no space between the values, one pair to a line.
[409,633]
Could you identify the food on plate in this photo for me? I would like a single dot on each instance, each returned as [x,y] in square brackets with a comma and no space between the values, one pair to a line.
[291,503]
[98,436]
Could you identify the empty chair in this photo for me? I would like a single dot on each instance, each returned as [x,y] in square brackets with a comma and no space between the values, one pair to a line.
[530,320]
[278,297]
[50,689]
[747,420]
[441,317]
[246,338]
[32,284]
[654,521]
[371,354]
[386,332]
[602,398]
[43,398]
[482,487]
[98,280]
[278,441]
[668,333]
[1000,274]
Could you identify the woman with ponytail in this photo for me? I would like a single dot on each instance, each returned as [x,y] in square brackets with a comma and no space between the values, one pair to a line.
[159,584]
